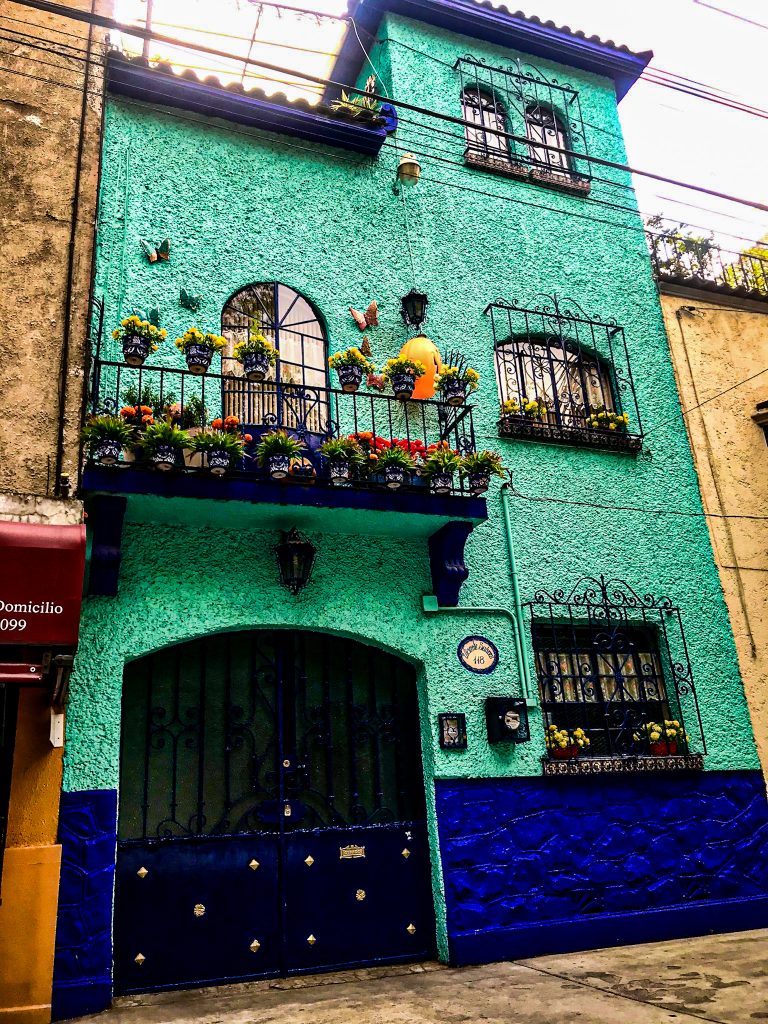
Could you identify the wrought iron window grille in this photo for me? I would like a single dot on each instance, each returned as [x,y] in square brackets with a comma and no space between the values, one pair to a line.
[613,669]
[563,377]
[521,100]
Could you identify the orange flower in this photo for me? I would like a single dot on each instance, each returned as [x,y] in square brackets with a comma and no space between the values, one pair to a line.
[247,438]
[145,410]
[217,424]
[128,410]
[231,421]
[148,420]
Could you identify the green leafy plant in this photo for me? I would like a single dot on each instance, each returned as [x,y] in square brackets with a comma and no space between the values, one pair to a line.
[468,377]
[278,442]
[351,357]
[217,440]
[149,396]
[194,413]
[338,449]
[441,460]
[257,344]
[107,428]
[356,106]
[399,365]
[134,325]
[159,434]
[395,456]
[485,462]
[194,336]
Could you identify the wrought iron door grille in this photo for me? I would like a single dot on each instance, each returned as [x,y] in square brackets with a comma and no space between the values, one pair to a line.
[521,100]
[614,665]
[563,376]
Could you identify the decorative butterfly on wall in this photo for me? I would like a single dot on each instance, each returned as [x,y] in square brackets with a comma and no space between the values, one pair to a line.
[190,301]
[365,348]
[152,316]
[155,253]
[370,318]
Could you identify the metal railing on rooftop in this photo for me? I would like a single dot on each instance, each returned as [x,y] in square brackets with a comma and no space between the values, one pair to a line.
[698,263]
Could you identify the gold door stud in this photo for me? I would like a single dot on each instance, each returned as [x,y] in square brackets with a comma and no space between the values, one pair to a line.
[253,864]
[360,895]
[311,940]
[309,861]
[139,959]
[198,910]
[406,853]
[411,929]
[255,946]
[142,872]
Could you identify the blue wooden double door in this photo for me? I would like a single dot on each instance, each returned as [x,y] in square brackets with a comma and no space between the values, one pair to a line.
[272,812]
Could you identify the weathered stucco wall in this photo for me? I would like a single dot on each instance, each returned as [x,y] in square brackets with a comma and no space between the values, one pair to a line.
[716,345]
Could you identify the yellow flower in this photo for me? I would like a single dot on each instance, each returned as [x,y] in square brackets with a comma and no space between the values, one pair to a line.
[655,737]
[116,333]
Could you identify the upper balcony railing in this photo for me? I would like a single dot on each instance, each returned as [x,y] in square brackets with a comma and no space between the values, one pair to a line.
[697,263]
[308,413]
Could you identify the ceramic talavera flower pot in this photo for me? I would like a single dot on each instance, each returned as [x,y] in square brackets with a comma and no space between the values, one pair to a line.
[164,457]
[255,365]
[135,349]
[478,483]
[339,470]
[106,452]
[350,378]
[218,461]
[198,358]
[441,483]
[394,477]
[278,466]
[403,385]
[453,392]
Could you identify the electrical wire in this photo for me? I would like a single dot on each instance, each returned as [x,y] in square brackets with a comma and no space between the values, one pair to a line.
[110,23]
[731,14]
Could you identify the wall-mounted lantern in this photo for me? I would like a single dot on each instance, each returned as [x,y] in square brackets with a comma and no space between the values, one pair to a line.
[413,308]
[506,719]
[408,170]
[295,559]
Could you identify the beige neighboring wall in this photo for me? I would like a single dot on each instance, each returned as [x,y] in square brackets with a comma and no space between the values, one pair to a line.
[717,343]
[40,119]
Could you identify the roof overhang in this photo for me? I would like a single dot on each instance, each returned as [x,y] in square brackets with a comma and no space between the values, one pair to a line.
[493,25]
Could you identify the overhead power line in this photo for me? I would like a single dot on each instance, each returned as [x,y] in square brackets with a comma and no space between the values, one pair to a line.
[731,14]
[110,23]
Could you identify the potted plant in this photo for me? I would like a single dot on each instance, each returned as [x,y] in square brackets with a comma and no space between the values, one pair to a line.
[602,419]
[667,737]
[350,366]
[343,453]
[564,743]
[276,450]
[394,463]
[162,443]
[257,356]
[453,384]
[220,447]
[530,408]
[401,375]
[478,467]
[198,348]
[139,338]
[106,436]
[439,467]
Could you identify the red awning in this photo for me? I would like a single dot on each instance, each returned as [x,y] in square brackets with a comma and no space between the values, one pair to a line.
[41,583]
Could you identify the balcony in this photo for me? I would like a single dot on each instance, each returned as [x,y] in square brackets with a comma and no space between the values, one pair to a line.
[190,493]
[697,263]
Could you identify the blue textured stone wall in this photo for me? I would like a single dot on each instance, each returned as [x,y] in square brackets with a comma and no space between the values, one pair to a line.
[520,855]
[82,981]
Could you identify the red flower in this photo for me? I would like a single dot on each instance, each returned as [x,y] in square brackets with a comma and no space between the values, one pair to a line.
[247,438]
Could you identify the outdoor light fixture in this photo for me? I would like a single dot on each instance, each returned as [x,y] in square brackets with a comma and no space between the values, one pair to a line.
[408,170]
[295,558]
[413,308]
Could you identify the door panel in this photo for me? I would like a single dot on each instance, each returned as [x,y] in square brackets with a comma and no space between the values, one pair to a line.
[292,751]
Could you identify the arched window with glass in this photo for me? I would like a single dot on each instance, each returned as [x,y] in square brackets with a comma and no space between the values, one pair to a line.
[294,395]
[544,128]
[487,117]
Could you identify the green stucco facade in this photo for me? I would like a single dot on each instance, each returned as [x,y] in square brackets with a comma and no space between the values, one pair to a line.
[241,206]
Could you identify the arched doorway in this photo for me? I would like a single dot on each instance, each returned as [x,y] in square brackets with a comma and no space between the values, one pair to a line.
[272,811]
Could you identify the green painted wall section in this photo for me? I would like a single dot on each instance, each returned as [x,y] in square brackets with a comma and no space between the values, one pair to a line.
[241,206]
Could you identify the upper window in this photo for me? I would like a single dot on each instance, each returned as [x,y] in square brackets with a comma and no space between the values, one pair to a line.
[543,114]
[563,376]
[544,128]
[487,118]
[294,395]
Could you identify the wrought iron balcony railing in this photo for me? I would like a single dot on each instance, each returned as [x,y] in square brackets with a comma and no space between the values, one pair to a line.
[699,264]
[310,414]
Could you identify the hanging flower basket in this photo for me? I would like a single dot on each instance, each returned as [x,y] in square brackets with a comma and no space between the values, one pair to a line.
[453,392]
[164,457]
[218,461]
[135,349]
[107,452]
[478,483]
[403,385]
[255,365]
[198,348]
[350,378]
[198,358]
[453,383]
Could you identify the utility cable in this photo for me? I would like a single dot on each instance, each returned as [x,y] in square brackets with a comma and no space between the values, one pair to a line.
[110,23]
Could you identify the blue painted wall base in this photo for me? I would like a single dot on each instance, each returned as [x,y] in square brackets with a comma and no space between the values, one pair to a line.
[534,866]
[82,972]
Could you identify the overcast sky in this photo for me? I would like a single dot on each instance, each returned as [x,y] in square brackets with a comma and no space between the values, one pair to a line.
[666,131]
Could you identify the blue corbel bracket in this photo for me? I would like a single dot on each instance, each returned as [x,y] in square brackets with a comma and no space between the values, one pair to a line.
[446,561]
[106,513]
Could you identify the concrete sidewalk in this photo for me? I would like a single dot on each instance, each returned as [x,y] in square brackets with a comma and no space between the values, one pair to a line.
[722,979]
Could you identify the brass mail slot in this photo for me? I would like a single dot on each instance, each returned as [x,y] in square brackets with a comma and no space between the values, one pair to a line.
[350,852]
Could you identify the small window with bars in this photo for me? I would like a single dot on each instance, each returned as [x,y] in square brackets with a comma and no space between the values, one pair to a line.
[522,124]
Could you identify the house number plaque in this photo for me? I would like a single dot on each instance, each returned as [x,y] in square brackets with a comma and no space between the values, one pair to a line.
[478,654]
[350,852]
